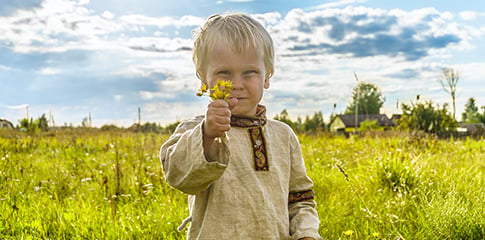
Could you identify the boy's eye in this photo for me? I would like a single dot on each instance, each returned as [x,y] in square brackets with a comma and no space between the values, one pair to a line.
[224,72]
[250,72]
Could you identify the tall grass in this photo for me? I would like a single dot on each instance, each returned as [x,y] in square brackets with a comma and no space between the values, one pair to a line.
[86,186]
[109,185]
[398,188]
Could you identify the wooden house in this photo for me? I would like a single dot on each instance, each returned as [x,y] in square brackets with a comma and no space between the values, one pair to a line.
[4,123]
[347,122]
[472,129]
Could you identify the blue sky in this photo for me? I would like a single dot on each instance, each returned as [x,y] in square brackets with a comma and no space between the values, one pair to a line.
[107,58]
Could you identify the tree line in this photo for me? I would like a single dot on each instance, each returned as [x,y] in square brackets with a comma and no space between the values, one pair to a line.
[366,99]
[40,124]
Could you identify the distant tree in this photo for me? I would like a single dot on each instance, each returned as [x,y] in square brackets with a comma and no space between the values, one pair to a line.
[368,98]
[369,125]
[29,125]
[425,117]
[314,123]
[482,116]
[169,129]
[449,81]
[471,114]
[109,127]
[151,127]
[311,124]
[43,123]
[283,117]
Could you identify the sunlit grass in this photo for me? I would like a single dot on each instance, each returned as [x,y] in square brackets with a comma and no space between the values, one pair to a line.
[398,188]
[109,185]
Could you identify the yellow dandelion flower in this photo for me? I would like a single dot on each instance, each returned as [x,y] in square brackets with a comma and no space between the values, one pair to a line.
[202,90]
[376,234]
[217,94]
[226,84]
[215,88]
[349,233]
[220,91]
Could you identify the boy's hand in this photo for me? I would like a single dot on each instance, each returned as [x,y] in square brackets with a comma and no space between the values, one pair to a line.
[218,120]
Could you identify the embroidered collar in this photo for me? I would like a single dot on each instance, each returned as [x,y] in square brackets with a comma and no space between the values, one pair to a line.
[251,122]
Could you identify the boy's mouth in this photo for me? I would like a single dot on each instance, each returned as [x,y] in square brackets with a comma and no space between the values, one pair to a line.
[238,98]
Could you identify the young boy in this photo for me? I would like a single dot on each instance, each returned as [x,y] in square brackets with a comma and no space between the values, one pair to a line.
[244,172]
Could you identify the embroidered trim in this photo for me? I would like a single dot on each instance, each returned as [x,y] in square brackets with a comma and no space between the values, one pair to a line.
[300,196]
[259,149]
[255,129]
[250,122]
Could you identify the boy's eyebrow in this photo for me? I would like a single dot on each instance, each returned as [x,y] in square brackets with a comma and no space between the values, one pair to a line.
[222,66]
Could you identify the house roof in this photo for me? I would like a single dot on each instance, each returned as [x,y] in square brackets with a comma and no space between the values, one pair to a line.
[395,117]
[473,127]
[4,123]
[349,119]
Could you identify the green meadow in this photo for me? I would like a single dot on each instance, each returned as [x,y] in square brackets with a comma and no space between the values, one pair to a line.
[93,184]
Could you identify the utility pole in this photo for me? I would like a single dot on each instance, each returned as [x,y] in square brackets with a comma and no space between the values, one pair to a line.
[27,111]
[51,118]
[139,116]
[356,103]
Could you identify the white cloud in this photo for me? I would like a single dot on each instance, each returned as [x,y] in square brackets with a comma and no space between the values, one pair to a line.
[5,68]
[56,26]
[338,4]
[161,22]
[21,106]
[118,97]
[170,112]
[468,15]
[362,32]
[60,25]
[108,15]
[49,71]
[267,19]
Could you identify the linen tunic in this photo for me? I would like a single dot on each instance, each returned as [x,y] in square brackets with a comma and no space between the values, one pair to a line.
[229,196]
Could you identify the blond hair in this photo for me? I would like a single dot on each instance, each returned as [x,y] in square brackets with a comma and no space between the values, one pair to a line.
[240,31]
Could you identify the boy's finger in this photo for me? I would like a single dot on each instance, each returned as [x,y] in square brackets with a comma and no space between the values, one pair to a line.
[219,103]
[232,102]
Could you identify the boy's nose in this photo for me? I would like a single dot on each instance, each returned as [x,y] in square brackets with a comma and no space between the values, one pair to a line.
[237,82]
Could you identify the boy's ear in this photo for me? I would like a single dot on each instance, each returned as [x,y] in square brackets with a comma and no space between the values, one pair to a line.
[266,83]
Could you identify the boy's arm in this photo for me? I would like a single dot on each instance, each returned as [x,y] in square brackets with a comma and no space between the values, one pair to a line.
[185,165]
[304,221]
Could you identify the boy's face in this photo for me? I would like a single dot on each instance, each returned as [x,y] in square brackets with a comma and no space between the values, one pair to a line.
[246,71]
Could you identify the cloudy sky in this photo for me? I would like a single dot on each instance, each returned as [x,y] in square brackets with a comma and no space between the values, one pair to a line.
[108,58]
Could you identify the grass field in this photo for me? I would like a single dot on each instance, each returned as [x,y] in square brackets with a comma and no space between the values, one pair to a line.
[109,185]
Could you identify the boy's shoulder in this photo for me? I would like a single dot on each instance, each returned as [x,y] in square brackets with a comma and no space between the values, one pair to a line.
[191,122]
[281,126]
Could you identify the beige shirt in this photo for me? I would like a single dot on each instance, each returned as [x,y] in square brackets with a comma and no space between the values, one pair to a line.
[228,198]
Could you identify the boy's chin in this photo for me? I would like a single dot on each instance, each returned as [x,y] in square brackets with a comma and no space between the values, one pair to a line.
[242,112]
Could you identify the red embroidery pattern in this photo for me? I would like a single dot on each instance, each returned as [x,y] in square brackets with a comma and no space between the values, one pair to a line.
[255,130]
[259,149]
[300,196]
[249,122]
